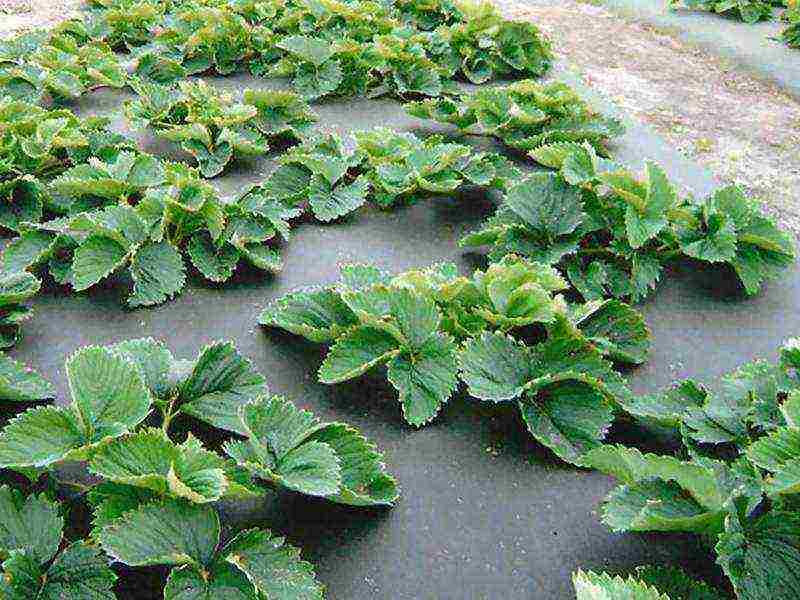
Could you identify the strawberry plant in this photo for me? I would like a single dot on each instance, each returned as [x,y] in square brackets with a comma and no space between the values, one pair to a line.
[63,65]
[791,33]
[523,115]
[213,128]
[124,24]
[412,323]
[401,167]
[38,144]
[489,46]
[749,11]
[428,15]
[151,496]
[734,480]
[148,239]
[15,288]
[612,232]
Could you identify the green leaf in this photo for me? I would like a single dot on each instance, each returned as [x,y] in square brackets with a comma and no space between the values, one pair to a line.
[80,572]
[39,437]
[317,315]
[357,352]
[329,203]
[169,532]
[546,203]
[158,274]
[676,584]
[495,367]
[568,417]
[32,525]
[109,394]
[221,381]
[149,459]
[616,329]
[594,586]
[313,50]
[762,557]
[215,263]
[18,383]
[112,500]
[274,567]
[221,580]
[417,317]
[153,360]
[95,259]
[425,378]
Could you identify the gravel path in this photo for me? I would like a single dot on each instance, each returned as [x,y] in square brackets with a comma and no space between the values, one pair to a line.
[742,129]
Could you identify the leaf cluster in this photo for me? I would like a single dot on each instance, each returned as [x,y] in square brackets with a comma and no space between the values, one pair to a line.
[791,33]
[164,212]
[523,115]
[212,127]
[62,64]
[749,11]
[151,497]
[428,327]
[612,232]
[734,479]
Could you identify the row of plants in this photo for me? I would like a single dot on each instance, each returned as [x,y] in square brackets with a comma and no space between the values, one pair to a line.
[336,48]
[733,481]
[752,11]
[152,497]
[545,325]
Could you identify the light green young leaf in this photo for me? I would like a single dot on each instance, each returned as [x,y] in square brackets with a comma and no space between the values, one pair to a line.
[357,352]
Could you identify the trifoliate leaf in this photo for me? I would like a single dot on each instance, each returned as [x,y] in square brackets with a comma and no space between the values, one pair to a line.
[149,459]
[18,383]
[31,525]
[221,381]
[274,567]
[168,532]
[158,274]
[357,352]
[425,378]
[317,315]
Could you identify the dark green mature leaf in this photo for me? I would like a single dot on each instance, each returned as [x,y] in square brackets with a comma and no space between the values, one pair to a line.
[495,367]
[425,378]
[273,566]
[168,532]
[292,448]
[19,383]
[158,274]
[96,259]
[39,437]
[357,352]
[220,382]
[568,417]
[676,584]
[762,557]
[80,572]
[547,203]
[31,525]
[616,329]
[221,580]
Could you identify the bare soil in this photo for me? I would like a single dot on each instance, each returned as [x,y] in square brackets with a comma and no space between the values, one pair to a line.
[744,130]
